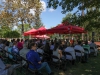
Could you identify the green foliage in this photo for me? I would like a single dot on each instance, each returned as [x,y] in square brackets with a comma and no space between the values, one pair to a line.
[26,28]
[90,21]
[38,23]
[71,18]
[68,18]
[19,12]
[4,29]
[11,34]
[69,5]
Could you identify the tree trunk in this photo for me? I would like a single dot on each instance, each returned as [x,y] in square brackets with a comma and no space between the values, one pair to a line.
[83,25]
[22,30]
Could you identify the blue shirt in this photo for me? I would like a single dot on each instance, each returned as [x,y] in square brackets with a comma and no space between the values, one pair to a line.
[34,58]
[9,50]
[51,47]
[15,50]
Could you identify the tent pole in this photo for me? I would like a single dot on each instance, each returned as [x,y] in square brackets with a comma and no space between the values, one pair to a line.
[29,36]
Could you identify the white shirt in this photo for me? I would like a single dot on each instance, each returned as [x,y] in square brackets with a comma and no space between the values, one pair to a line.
[6,48]
[40,51]
[94,46]
[23,53]
[56,53]
[80,48]
[72,51]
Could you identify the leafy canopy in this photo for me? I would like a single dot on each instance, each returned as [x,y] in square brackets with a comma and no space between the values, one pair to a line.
[69,5]
[11,34]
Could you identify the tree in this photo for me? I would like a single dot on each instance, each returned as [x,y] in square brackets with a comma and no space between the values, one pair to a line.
[89,23]
[38,23]
[5,18]
[19,10]
[71,18]
[69,5]
[11,34]
[4,29]
[81,5]
[26,28]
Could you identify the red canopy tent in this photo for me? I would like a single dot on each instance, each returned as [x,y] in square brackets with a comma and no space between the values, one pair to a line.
[29,32]
[74,29]
[41,36]
[56,29]
[66,28]
[40,31]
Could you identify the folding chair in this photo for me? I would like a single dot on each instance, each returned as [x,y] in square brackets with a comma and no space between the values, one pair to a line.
[33,72]
[85,49]
[56,64]
[78,58]
[68,60]
[92,51]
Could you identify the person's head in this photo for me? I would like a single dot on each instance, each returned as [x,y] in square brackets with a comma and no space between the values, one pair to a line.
[86,42]
[39,45]
[25,46]
[56,46]
[18,40]
[70,45]
[40,40]
[52,43]
[21,40]
[47,44]
[63,42]
[79,42]
[7,43]
[15,43]
[13,40]
[92,41]
[33,46]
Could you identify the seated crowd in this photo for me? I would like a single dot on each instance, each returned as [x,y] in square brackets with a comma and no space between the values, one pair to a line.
[40,52]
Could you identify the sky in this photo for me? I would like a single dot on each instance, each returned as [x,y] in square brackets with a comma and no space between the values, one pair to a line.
[49,16]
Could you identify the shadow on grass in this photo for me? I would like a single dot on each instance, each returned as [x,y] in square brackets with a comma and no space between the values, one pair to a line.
[90,68]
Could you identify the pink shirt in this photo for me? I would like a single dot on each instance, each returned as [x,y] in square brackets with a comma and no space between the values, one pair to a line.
[19,45]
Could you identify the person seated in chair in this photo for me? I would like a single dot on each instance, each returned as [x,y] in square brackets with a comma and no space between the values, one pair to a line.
[71,50]
[8,69]
[23,53]
[93,45]
[40,51]
[57,52]
[33,57]
[15,50]
[87,47]
[80,48]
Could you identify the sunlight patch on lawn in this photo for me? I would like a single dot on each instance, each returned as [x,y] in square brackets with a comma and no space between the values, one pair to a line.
[88,70]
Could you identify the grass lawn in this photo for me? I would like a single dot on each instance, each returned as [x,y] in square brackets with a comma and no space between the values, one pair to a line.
[90,68]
